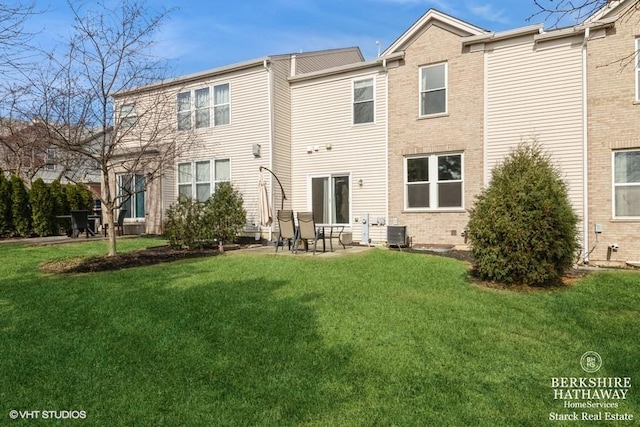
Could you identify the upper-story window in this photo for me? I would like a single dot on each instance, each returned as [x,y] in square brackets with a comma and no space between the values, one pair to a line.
[194,107]
[221,103]
[433,90]
[203,111]
[434,181]
[363,103]
[184,111]
[637,70]
[626,184]
[128,115]
[50,163]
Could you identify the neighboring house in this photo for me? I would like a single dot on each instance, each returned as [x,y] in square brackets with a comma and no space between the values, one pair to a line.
[339,147]
[239,117]
[465,98]
[27,151]
[613,107]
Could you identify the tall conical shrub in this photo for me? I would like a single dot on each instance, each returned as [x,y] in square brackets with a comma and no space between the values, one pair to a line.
[6,214]
[522,228]
[42,208]
[21,211]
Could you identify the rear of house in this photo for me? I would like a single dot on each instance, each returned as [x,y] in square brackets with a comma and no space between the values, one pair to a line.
[339,147]
[234,120]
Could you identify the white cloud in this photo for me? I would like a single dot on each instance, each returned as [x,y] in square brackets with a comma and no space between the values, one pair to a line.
[489,13]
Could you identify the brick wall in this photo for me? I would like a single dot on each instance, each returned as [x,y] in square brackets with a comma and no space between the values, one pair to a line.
[613,123]
[461,130]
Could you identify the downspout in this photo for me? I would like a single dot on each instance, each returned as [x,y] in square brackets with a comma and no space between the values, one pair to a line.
[585,151]
[265,64]
[386,144]
[485,120]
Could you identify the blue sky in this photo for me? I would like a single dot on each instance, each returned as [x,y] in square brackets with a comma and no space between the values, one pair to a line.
[203,34]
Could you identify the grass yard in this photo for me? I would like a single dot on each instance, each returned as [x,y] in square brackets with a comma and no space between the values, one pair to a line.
[375,339]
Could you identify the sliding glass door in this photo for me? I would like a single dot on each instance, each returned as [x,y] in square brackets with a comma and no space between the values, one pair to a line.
[330,199]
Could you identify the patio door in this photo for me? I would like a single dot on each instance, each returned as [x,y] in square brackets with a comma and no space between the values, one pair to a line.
[330,199]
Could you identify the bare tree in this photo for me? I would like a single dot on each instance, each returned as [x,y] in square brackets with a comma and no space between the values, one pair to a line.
[13,37]
[109,53]
[560,11]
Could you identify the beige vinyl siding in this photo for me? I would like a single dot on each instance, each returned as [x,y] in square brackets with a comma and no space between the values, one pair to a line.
[536,91]
[249,124]
[281,156]
[322,119]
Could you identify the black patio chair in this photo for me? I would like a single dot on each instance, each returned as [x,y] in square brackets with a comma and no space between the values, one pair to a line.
[119,224]
[79,223]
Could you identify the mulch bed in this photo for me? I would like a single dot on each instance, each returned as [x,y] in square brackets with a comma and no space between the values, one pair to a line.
[149,256]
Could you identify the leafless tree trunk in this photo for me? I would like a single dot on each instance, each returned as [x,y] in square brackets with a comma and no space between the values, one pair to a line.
[109,53]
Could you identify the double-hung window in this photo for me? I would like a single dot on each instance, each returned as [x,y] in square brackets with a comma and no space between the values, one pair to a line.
[50,163]
[626,184]
[433,90]
[202,108]
[128,115]
[197,180]
[434,182]
[184,110]
[637,61]
[330,199]
[363,101]
[194,107]
[221,104]
[131,189]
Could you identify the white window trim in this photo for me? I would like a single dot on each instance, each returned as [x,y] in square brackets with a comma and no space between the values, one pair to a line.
[331,201]
[128,115]
[353,100]
[194,182]
[213,104]
[133,218]
[446,89]
[637,68]
[433,182]
[50,154]
[192,107]
[614,185]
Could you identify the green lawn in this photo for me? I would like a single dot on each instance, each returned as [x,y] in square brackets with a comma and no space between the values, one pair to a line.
[375,339]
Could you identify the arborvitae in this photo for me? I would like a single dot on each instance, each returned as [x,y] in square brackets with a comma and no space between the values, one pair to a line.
[6,214]
[42,208]
[21,211]
[522,228]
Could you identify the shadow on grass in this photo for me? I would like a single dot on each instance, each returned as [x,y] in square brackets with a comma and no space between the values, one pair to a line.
[220,353]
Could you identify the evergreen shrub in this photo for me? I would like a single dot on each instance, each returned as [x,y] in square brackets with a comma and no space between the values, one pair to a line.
[42,209]
[20,208]
[522,227]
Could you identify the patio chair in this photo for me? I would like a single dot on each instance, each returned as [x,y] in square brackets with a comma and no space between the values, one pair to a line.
[307,231]
[119,225]
[287,228]
[79,223]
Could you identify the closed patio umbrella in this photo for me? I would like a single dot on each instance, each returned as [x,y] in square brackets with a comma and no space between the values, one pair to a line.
[263,204]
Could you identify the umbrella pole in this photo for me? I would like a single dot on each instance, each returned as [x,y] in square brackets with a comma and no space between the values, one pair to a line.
[284,197]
